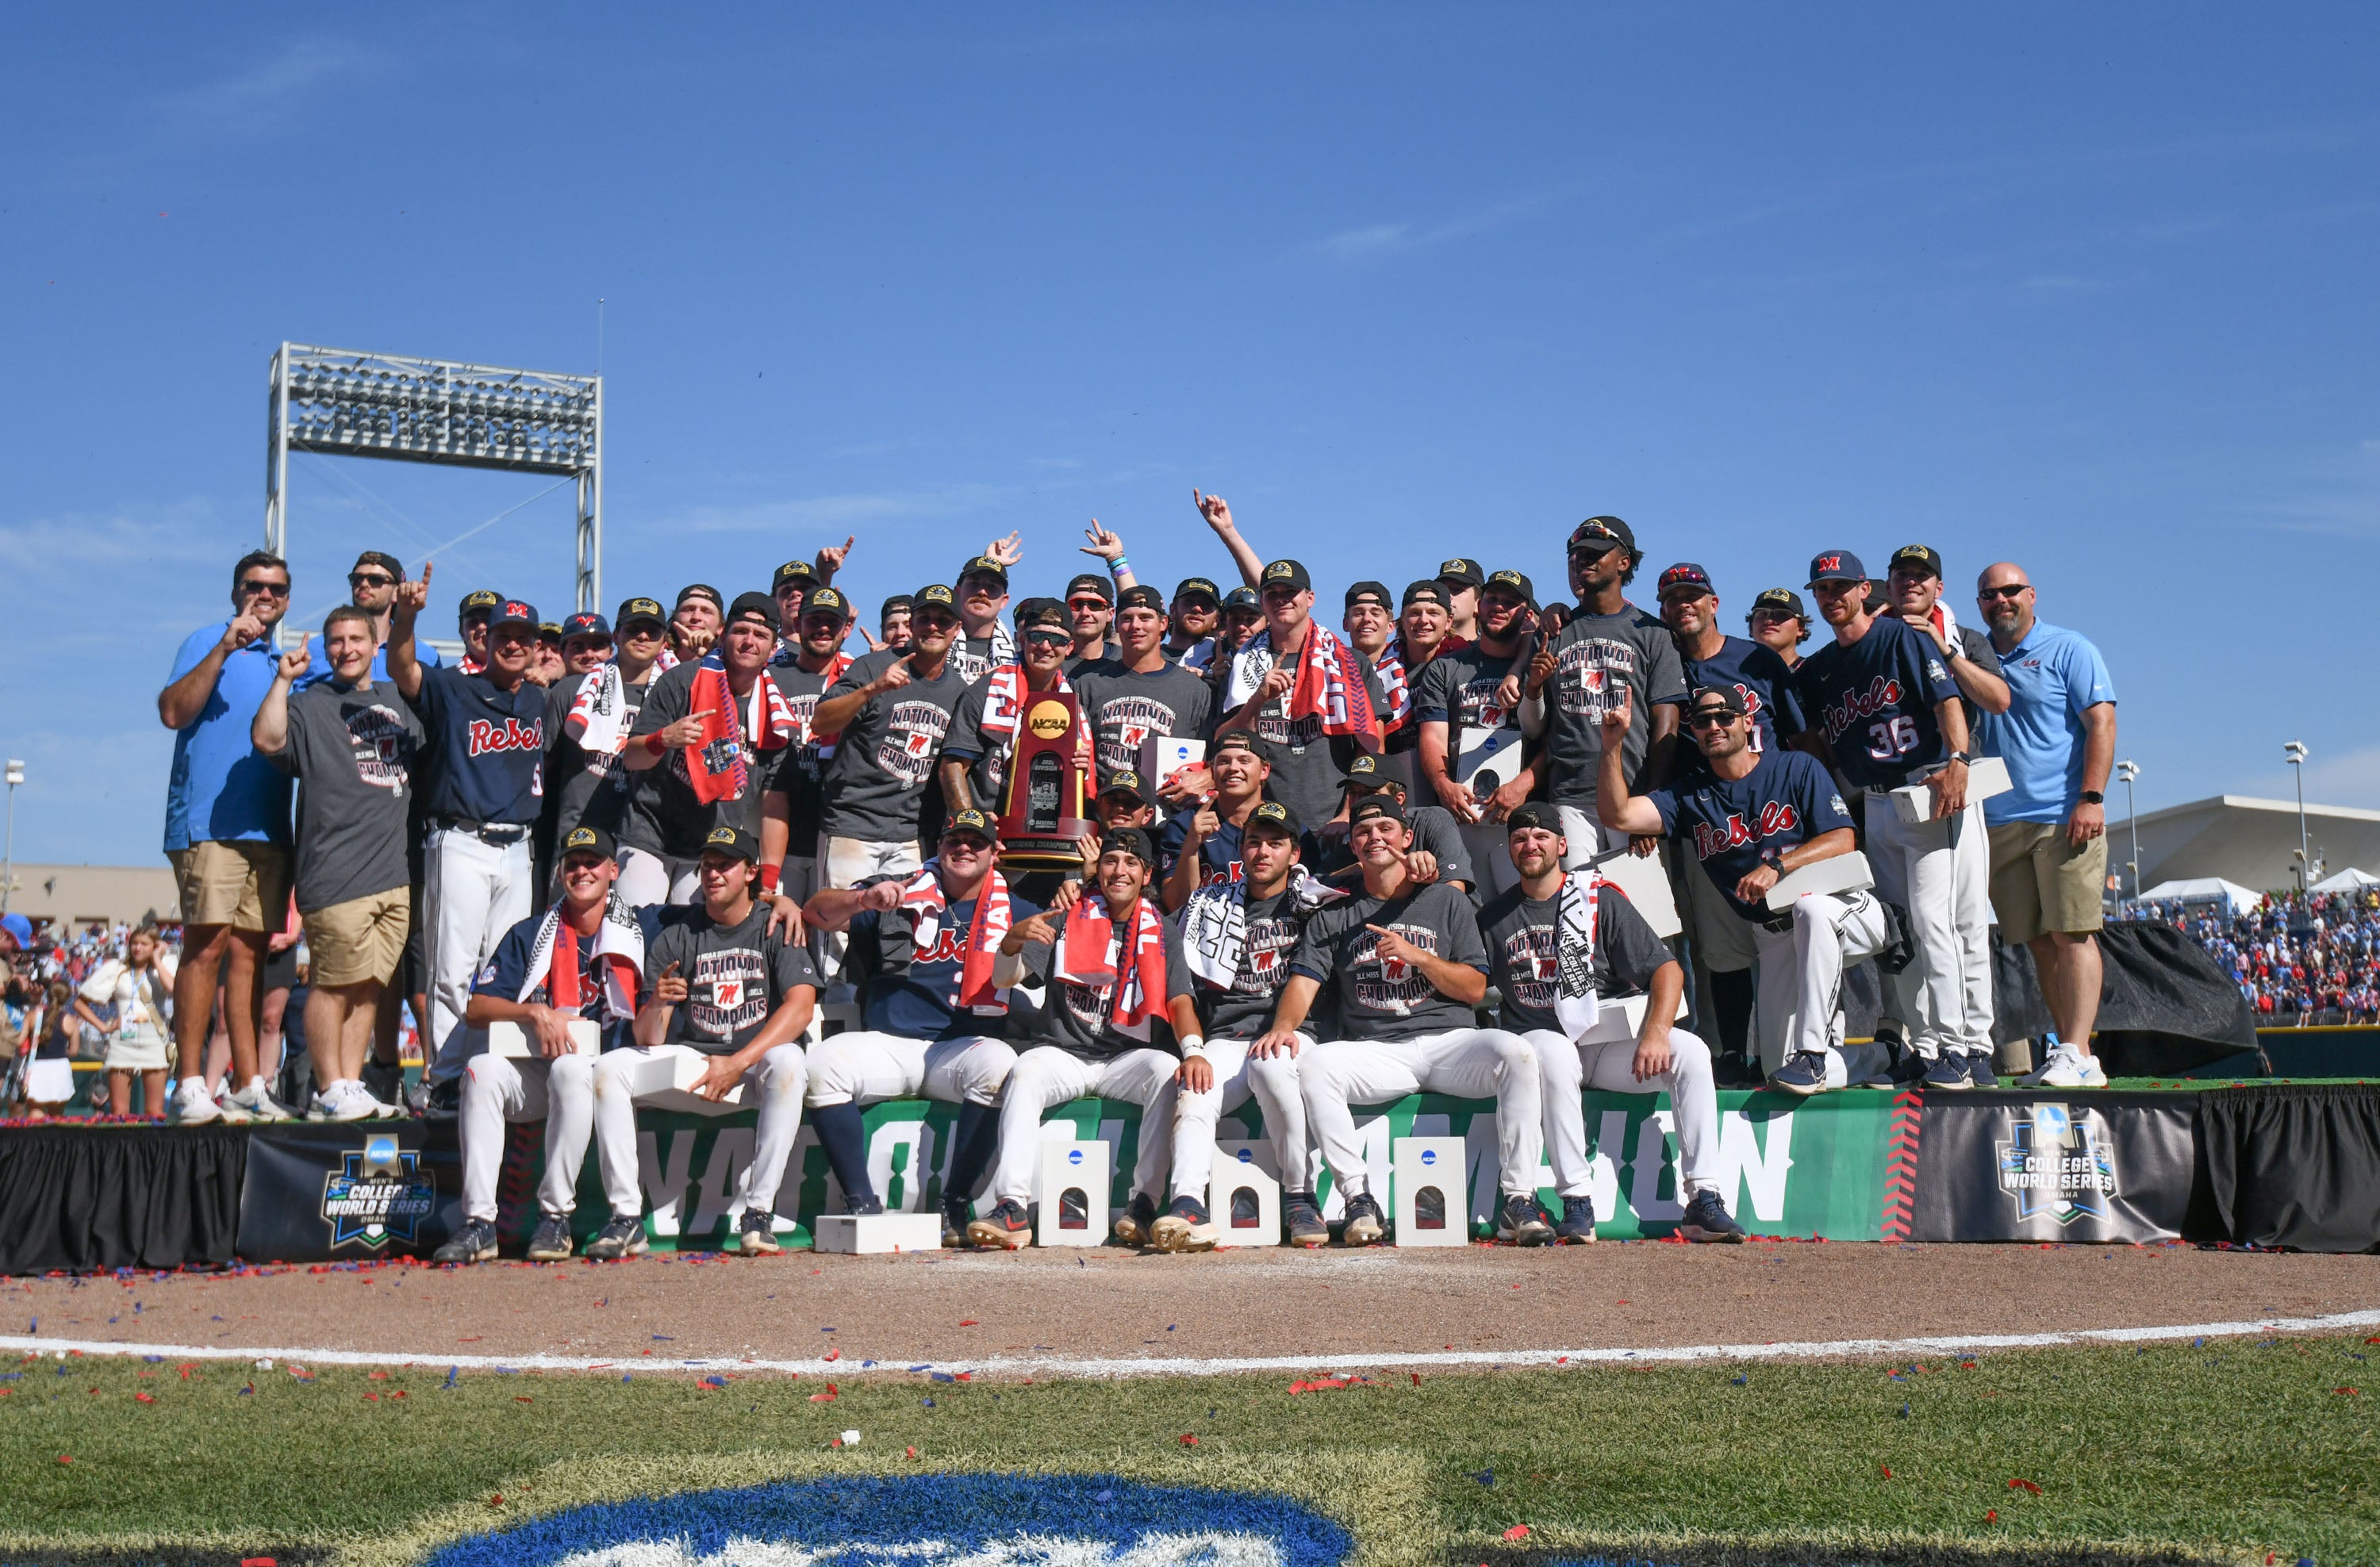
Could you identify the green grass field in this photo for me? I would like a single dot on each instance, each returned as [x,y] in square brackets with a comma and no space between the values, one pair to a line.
[2225,1451]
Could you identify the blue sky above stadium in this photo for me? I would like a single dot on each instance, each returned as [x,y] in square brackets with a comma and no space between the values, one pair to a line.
[2090,289]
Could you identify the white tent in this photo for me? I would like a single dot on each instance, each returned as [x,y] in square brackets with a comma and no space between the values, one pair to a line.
[2348,881]
[2205,889]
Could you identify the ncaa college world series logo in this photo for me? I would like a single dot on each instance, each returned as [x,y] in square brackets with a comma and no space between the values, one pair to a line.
[2057,1163]
[922,1521]
[379,1194]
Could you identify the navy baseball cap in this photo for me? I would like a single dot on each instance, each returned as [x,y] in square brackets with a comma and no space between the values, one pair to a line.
[826,601]
[585,623]
[1599,534]
[1836,566]
[589,840]
[514,612]
[633,611]
[1198,587]
[735,842]
[1687,578]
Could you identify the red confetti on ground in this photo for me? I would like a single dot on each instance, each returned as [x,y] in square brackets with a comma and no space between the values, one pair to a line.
[2346,1392]
[1415,1375]
[826,1397]
[396,1395]
[834,1355]
[1888,1470]
[1561,1360]
[66,1458]
[967,1322]
[964,1377]
[1991,1514]
[497,1500]
[375,1375]
[2024,1485]
[519,1398]
[1517,1532]
[910,1452]
[1189,1441]
[371,1398]
[258,1561]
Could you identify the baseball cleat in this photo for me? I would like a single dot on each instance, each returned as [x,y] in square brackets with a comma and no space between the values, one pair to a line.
[1577,1226]
[1706,1220]
[551,1243]
[1364,1225]
[620,1236]
[1005,1227]
[1302,1215]
[1185,1227]
[1520,1221]
[1979,1071]
[1948,1072]
[956,1213]
[1134,1225]
[1805,1074]
[861,1208]
[475,1242]
[756,1233]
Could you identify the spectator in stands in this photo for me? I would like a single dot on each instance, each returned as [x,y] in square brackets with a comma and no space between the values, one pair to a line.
[227,833]
[48,1044]
[138,989]
[2049,832]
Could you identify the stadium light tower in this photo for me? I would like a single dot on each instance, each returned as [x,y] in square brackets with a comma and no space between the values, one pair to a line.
[2295,752]
[15,776]
[345,404]
[2126,772]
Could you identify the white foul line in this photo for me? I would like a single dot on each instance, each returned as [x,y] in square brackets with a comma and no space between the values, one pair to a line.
[1179,1366]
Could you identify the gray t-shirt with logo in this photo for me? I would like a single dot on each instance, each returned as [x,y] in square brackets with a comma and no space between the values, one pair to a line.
[1523,948]
[1078,1019]
[1380,999]
[1595,656]
[352,752]
[884,763]
[1124,709]
[736,976]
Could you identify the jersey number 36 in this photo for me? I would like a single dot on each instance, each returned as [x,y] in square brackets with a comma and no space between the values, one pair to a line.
[1887,739]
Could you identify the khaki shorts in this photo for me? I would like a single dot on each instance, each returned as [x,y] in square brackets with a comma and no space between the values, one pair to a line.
[359,942]
[2040,882]
[244,885]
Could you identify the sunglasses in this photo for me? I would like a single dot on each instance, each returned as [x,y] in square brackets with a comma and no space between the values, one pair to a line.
[369,579]
[933,623]
[1045,636]
[268,590]
[1710,718]
[1985,595]
[1088,601]
[965,840]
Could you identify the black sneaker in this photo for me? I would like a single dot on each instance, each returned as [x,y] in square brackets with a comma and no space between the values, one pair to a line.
[860,1207]
[1005,1227]
[1706,1220]
[1364,1224]
[1185,1226]
[475,1242]
[756,1235]
[1731,1071]
[1577,1226]
[1521,1220]
[618,1237]
[1133,1226]
[551,1243]
[1805,1074]
[1903,1066]
[1302,1216]
[385,1083]
[1979,1071]
[438,1101]
[1948,1072]
[957,1213]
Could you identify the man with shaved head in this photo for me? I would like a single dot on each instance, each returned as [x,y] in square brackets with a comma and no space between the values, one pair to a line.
[2049,832]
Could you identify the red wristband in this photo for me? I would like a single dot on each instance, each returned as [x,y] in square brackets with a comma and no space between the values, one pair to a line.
[655,744]
[768,877]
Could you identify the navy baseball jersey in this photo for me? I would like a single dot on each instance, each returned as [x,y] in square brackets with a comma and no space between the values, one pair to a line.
[487,748]
[1761,678]
[507,972]
[1218,852]
[913,990]
[1786,800]
[1874,700]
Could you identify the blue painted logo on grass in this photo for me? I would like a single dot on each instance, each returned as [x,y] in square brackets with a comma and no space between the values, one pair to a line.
[947,1520]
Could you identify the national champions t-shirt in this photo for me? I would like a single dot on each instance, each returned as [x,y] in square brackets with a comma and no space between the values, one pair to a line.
[737,975]
[1379,999]
[876,788]
[1523,944]
[1596,657]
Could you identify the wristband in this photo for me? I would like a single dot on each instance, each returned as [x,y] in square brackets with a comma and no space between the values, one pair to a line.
[769,874]
[1116,566]
[1192,1045]
[655,744]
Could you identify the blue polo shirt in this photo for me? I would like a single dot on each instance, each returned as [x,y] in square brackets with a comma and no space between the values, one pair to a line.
[2054,676]
[219,789]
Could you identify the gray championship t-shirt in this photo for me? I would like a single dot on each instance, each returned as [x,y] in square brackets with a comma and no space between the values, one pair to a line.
[1378,999]
[799,773]
[1078,1018]
[1307,765]
[1124,709]
[1595,656]
[1331,856]
[1522,941]
[884,764]
[1458,690]
[664,817]
[736,976]
[352,752]
[1244,1011]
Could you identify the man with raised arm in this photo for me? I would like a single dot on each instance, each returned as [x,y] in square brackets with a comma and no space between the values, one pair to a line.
[1313,701]
[790,806]
[892,710]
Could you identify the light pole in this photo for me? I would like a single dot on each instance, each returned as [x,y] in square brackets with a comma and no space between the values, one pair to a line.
[16,775]
[2126,772]
[2296,753]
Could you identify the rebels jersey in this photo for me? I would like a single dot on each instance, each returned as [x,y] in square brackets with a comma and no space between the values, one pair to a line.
[913,990]
[487,748]
[1761,678]
[1786,800]
[1218,852]
[1874,700]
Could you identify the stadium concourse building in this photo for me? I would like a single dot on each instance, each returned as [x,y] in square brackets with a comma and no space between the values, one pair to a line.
[71,898]
[2240,839]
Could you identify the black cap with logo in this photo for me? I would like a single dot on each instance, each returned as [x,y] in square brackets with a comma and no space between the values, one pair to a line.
[1286,572]
[1517,581]
[1780,600]
[1241,599]
[970,820]
[1273,815]
[735,842]
[1598,534]
[486,600]
[984,565]
[826,601]
[1922,556]
[793,571]
[1124,781]
[1461,573]
[933,595]
[641,611]
[1141,596]
[589,840]
[1198,587]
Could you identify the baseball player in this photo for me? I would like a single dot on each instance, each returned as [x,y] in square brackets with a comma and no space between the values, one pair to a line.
[933,1022]
[1564,946]
[725,990]
[582,959]
[1883,708]
[791,804]
[1409,965]
[1202,846]
[1436,853]
[1471,753]
[1237,937]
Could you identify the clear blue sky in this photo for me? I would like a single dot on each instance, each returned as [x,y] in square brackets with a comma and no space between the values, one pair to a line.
[2089,288]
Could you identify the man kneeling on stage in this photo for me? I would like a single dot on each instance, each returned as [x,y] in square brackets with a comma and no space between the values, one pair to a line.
[1118,1021]
[1753,817]
[728,996]
[1564,948]
[932,1021]
[581,960]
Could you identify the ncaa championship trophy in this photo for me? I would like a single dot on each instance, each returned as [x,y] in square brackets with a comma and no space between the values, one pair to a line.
[1042,812]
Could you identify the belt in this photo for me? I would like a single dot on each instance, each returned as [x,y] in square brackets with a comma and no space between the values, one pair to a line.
[1778,924]
[486,832]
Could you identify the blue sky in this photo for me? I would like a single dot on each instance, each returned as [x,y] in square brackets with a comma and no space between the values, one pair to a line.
[2087,287]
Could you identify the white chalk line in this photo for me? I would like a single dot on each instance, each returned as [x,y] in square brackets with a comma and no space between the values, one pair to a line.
[1181,1366]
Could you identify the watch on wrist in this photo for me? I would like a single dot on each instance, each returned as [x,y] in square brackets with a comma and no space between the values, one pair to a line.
[1961,758]
[2092,797]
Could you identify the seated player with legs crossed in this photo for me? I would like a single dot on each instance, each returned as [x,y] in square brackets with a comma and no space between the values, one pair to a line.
[1563,947]
[1237,937]
[921,949]
[1750,818]
[1118,1021]
[582,959]
[726,991]
[1410,966]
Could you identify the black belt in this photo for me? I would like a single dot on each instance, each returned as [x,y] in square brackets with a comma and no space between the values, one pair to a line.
[486,832]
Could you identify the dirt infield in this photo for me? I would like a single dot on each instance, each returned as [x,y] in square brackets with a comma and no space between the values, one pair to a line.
[955,1307]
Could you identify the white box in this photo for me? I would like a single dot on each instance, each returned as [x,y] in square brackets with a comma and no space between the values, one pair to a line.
[665,1080]
[865,1234]
[1986,776]
[512,1039]
[1240,1167]
[1420,1162]
[1647,882]
[1617,1020]
[1842,873]
[1497,749]
[1074,1166]
[1162,755]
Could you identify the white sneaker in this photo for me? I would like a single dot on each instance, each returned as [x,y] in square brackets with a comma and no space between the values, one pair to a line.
[191,1105]
[254,1101]
[2064,1069]
[349,1103]
[2093,1074]
[380,1109]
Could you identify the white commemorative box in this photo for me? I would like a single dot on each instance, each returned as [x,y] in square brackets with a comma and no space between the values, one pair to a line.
[1986,776]
[868,1233]
[512,1039]
[665,1080]
[1068,1165]
[1618,1021]
[1842,873]
[1241,1166]
[1419,1165]
[1162,755]
[1647,882]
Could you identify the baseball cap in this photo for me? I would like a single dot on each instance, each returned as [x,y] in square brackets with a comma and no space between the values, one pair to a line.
[1461,573]
[586,622]
[1878,599]
[702,591]
[1533,813]
[512,612]
[1836,566]
[1686,575]
[1133,841]
[1273,814]
[1241,599]
[734,842]
[826,601]
[1728,694]
[984,565]
[1597,534]
[1141,596]
[1198,587]
[1366,772]
[793,571]
[1369,592]
[1429,591]
[759,606]
[634,610]
[384,560]
[1375,805]
[1288,572]
[17,925]
[1517,581]
[1784,601]
[1042,611]
[970,820]
[934,595]
[1916,554]
[549,631]
[589,840]
[1124,781]
[1096,582]
[485,599]
[897,602]
[1243,739]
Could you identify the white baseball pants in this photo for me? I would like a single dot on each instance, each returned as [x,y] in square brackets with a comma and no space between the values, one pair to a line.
[1273,1082]
[647,879]
[1568,1069]
[560,1092]
[857,1067]
[773,1086]
[1940,873]
[1587,836]
[1046,1075]
[473,891]
[1474,1063]
[1802,979]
